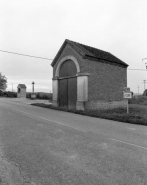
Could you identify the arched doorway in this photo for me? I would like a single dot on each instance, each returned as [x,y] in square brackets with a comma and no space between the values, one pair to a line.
[67,92]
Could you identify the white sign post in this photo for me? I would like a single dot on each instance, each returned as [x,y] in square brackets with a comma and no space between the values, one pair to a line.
[127,95]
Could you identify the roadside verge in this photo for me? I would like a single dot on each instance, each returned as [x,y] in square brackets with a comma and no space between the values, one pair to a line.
[137,113]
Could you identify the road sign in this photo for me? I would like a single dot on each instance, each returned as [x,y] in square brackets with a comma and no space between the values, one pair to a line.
[127,95]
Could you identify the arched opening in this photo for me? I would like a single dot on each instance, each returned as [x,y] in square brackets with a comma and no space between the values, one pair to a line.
[68,85]
[68,69]
[67,58]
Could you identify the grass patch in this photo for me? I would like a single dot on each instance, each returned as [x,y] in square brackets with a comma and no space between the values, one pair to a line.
[141,100]
[137,114]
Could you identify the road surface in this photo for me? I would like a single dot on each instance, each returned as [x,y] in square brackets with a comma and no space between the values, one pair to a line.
[41,146]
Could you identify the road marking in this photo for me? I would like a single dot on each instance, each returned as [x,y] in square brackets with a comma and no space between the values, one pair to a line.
[77,128]
[132,128]
[128,143]
[62,124]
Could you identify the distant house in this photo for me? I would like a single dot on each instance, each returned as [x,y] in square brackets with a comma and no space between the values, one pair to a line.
[21,91]
[87,78]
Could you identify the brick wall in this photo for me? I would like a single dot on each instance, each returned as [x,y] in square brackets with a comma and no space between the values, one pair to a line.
[105,105]
[106,82]
[68,51]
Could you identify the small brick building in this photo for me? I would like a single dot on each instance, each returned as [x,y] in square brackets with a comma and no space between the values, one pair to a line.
[21,91]
[87,78]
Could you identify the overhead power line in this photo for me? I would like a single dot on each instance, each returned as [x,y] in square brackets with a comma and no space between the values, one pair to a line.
[25,55]
[138,69]
[49,58]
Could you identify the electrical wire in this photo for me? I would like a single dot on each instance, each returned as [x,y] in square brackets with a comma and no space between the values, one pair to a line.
[138,69]
[51,59]
[26,55]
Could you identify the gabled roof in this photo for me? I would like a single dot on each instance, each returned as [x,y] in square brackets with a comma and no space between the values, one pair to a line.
[89,53]
[22,86]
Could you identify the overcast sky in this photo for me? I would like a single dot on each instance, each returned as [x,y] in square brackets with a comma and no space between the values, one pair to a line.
[39,28]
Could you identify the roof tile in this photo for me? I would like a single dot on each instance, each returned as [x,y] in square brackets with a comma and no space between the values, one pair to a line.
[90,53]
[95,53]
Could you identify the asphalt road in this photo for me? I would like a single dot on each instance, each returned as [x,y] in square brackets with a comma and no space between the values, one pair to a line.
[41,146]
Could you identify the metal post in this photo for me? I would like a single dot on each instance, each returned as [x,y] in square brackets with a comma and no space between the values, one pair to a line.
[146,68]
[127,107]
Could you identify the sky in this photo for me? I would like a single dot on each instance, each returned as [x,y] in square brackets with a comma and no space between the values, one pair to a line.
[39,28]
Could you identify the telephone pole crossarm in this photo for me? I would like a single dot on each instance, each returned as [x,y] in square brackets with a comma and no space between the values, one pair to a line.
[144,59]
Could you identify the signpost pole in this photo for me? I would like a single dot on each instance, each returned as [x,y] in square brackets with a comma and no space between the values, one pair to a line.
[127,94]
[127,107]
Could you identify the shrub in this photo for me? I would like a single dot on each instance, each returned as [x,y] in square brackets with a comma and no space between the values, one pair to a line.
[9,94]
[44,96]
[1,92]
[138,100]
[145,93]
[28,95]
[41,95]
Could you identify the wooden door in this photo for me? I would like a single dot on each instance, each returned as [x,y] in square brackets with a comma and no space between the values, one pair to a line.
[68,85]
[72,93]
[63,93]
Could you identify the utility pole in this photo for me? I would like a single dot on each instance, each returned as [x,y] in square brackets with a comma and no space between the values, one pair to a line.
[144,81]
[12,87]
[138,89]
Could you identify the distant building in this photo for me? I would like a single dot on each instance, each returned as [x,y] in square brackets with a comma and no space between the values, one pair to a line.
[87,78]
[21,91]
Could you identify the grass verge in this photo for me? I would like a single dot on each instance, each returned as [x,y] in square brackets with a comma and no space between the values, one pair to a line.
[140,100]
[137,114]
